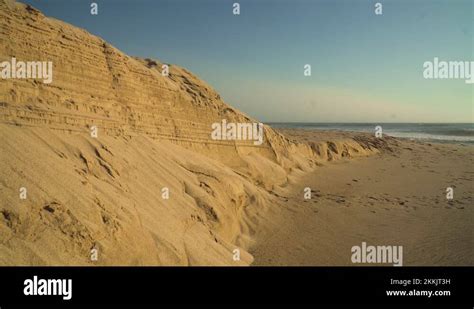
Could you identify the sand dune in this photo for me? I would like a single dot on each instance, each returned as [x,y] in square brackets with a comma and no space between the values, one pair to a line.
[105,192]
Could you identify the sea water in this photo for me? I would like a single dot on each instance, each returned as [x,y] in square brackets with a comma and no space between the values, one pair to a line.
[436,132]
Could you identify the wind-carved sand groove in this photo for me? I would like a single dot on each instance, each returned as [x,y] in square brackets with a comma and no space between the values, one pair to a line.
[154,132]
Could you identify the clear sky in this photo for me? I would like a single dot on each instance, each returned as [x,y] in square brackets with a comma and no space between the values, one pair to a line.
[365,67]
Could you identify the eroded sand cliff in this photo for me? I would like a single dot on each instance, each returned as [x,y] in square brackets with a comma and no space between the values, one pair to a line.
[154,131]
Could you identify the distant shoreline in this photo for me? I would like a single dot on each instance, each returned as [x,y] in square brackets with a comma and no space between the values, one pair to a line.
[444,133]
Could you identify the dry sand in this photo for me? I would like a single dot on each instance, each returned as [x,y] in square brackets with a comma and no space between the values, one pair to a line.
[105,192]
[395,198]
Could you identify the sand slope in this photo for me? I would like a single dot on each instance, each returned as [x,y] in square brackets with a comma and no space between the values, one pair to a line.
[154,132]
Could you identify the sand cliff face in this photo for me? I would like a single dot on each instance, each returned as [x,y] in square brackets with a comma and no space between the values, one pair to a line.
[154,132]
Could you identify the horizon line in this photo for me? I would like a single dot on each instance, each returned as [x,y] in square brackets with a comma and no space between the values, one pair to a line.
[336,122]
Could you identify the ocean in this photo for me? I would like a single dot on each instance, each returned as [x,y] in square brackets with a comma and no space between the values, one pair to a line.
[436,132]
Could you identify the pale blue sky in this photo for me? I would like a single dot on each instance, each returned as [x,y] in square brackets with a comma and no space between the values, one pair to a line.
[365,68]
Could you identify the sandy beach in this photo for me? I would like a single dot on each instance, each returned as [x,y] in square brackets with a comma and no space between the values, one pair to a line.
[394,198]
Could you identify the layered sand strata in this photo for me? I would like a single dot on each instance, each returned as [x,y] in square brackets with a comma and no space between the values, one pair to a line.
[104,192]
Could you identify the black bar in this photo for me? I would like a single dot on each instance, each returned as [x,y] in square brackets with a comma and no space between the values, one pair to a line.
[238,285]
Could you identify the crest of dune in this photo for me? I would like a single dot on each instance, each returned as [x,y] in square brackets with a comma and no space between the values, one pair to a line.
[154,132]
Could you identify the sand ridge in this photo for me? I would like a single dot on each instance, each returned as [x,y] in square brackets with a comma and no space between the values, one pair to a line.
[154,131]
